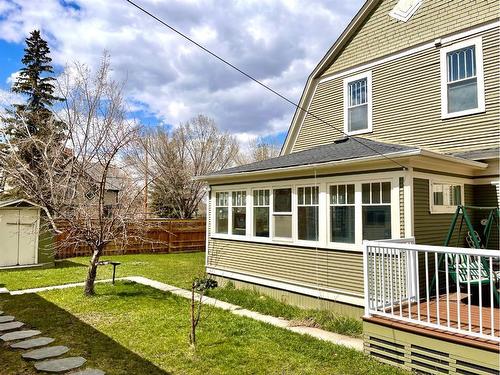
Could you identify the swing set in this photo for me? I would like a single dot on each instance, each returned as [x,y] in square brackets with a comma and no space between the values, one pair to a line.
[461,269]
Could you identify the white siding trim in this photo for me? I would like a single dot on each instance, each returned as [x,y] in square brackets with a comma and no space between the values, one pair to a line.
[423,47]
[332,295]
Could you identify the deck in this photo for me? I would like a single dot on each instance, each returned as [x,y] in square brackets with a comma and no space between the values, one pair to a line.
[436,312]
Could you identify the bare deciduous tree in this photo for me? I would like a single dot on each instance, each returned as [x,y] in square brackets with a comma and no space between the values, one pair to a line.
[79,165]
[258,150]
[195,148]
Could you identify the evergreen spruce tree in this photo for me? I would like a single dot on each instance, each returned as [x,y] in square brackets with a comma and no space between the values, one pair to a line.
[35,83]
[33,120]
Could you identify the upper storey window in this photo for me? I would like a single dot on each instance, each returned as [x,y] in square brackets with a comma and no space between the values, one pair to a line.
[358,104]
[462,81]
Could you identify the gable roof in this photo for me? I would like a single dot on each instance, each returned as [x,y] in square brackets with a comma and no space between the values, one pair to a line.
[345,149]
[18,203]
[351,29]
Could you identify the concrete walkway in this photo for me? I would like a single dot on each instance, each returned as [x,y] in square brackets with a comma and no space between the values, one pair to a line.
[335,338]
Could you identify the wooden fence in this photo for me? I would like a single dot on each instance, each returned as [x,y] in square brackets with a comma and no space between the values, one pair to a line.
[163,236]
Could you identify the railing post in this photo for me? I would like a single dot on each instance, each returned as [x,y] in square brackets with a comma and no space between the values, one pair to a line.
[366,279]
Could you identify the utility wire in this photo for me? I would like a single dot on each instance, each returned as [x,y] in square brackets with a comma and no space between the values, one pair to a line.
[256,80]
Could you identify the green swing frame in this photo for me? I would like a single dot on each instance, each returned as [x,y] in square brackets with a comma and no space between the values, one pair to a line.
[479,275]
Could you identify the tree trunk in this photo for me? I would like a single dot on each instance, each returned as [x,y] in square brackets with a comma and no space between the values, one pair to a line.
[92,273]
[192,335]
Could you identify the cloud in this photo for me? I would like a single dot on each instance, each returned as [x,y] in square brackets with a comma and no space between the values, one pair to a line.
[279,42]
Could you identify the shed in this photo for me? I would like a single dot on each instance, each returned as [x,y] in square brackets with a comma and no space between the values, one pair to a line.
[21,241]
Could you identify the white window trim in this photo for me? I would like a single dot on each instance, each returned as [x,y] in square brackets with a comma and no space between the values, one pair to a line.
[444,209]
[357,220]
[295,221]
[292,213]
[252,206]
[368,76]
[478,44]
[324,199]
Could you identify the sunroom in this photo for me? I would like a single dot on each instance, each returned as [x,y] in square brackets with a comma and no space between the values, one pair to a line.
[297,222]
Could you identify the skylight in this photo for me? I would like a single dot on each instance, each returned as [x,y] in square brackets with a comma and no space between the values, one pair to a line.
[404,9]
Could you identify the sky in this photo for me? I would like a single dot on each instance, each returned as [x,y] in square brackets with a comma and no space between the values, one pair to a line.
[167,79]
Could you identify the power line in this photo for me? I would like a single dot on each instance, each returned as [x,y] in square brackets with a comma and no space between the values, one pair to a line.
[256,80]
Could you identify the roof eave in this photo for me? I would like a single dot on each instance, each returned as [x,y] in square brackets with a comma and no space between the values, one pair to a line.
[393,155]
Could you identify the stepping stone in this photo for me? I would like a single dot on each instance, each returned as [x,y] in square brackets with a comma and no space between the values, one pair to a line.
[89,371]
[10,326]
[6,318]
[19,335]
[47,352]
[60,365]
[32,343]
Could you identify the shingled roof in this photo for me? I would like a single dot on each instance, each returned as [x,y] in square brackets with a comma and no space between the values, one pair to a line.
[344,149]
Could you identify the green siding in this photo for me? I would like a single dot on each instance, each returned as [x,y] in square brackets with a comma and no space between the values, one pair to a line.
[296,299]
[410,116]
[329,270]
[381,34]
[431,229]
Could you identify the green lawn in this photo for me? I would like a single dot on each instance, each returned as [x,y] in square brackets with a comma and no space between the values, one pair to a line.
[174,269]
[178,270]
[133,329]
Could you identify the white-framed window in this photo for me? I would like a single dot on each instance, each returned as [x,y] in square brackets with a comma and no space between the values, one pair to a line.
[261,213]
[376,210]
[282,212]
[308,213]
[358,104]
[462,79]
[444,197]
[222,212]
[239,212]
[331,212]
[342,213]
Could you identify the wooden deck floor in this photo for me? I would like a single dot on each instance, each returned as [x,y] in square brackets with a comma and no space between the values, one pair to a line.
[438,310]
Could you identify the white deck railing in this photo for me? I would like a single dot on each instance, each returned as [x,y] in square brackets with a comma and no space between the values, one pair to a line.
[400,283]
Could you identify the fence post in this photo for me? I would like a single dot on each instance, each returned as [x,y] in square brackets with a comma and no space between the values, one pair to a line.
[365,279]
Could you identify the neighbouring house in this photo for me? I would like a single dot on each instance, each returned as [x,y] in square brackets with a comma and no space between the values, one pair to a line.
[24,242]
[398,125]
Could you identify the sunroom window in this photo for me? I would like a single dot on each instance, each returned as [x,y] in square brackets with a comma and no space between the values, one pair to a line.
[239,212]
[376,209]
[221,212]
[357,104]
[342,211]
[462,78]
[307,213]
[282,213]
[261,212]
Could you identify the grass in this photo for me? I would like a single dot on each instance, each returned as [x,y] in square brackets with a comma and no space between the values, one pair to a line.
[174,269]
[253,300]
[178,270]
[133,329]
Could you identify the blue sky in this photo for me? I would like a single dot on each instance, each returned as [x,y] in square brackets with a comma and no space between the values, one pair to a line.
[169,80]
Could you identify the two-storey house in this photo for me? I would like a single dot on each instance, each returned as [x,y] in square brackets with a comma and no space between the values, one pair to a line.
[397,125]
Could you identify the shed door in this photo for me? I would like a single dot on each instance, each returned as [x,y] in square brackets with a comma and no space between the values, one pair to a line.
[18,237]
[28,242]
[9,246]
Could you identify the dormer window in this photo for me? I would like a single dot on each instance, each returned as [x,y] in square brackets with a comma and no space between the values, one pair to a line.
[462,81]
[358,104]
